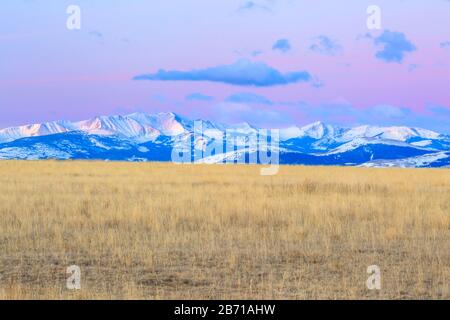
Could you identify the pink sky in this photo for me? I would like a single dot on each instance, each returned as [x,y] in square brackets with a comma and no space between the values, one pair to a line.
[49,72]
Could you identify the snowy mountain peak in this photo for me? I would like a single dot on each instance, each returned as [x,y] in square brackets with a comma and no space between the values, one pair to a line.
[33,130]
[167,123]
[289,133]
[111,125]
[243,127]
[392,133]
[317,130]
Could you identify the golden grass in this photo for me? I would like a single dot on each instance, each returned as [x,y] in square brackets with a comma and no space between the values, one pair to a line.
[163,231]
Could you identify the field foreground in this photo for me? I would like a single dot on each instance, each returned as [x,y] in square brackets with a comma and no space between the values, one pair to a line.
[166,231]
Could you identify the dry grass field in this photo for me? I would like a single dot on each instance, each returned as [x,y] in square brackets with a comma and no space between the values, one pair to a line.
[166,231]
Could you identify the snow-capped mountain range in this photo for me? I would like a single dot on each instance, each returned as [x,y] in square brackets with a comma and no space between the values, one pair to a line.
[152,137]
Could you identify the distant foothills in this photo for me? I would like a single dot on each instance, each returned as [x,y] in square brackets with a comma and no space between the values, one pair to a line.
[152,137]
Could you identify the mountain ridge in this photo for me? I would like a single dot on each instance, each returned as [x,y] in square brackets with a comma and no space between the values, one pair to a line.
[151,137]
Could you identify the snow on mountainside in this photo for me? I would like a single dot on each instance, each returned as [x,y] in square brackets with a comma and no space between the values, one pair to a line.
[390,133]
[318,130]
[359,141]
[140,126]
[290,133]
[434,160]
[35,130]
[167,124]
[145,137]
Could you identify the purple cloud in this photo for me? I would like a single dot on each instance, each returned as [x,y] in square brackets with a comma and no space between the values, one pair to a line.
[326,46]
[395,46]
[282,45]
[241,73]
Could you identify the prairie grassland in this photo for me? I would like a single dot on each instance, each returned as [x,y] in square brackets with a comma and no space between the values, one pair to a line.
[166,231]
